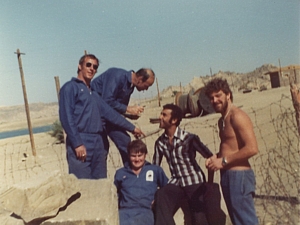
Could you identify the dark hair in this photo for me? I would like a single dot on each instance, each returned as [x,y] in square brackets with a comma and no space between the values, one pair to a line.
[176,112]
[144,73]
[88,56]
[216,85]
[137,146]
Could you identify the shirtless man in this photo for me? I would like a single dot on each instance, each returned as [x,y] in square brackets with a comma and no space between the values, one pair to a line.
[238,144]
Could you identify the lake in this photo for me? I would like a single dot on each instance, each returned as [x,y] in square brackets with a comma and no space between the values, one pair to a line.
[15,133]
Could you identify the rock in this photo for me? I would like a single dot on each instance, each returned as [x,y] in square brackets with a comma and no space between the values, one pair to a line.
[38,198]
[7,219]
[97,204]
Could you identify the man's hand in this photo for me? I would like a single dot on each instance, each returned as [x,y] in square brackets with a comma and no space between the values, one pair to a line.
[214,163]
[81,153]
[138,133]
[135,109]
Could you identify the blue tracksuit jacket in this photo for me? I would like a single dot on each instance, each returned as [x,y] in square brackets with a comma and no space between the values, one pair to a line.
[137,191]
[114,85]
[80,111]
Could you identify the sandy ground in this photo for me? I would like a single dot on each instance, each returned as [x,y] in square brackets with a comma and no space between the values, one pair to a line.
[266,109]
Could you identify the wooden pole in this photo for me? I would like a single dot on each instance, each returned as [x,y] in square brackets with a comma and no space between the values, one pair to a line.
[85,52]
[26,102]
[57,84]
[295,93]
[158,95]
[279,68]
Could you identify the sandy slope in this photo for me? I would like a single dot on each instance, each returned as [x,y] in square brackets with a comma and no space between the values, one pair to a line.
[262,107]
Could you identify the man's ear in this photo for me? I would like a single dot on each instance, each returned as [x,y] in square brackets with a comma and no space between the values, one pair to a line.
[79,67]
[139,80]
[228,96]
[174,121]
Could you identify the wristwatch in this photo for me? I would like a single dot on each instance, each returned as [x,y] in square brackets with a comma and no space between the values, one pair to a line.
[224,161]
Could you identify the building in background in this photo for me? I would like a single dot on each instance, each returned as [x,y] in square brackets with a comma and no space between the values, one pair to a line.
[283,76]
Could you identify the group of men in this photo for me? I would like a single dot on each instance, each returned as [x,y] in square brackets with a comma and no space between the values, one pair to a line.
[91,111]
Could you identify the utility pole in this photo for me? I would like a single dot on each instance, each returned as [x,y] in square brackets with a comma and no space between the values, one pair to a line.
[57,84]
[158,95]
[26,102]
[279,67]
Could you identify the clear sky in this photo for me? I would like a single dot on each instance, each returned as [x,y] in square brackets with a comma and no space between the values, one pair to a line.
[178,39]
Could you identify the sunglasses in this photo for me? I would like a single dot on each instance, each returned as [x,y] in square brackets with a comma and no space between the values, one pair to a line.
[95,67]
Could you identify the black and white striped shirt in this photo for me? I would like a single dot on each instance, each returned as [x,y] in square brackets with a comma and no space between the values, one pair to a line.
[180,156]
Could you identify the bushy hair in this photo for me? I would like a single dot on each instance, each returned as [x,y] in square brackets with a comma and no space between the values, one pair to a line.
[136,146]
[216,85]
[176,112]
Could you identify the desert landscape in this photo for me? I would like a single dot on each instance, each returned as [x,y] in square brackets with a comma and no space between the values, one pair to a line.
[276,166]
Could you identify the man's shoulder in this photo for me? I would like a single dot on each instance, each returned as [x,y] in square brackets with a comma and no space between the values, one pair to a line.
[115,75]
[191,135]
[236,111]
[190,138]
[70,84]
[238,115]
[115,71]
[121,171]
[185,135]
[152,167]
[160,138]
[182,135]
[149,165]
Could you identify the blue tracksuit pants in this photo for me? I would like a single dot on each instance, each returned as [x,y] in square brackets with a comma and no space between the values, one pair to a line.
[94,166]
[121,139]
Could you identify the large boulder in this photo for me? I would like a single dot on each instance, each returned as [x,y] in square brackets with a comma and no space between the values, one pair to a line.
[60,199]
[96,205]
[40,197]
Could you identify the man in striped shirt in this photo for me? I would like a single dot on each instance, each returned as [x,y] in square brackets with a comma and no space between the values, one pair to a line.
[187,179]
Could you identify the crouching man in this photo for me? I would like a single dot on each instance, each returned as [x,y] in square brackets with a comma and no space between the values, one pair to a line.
[136,185]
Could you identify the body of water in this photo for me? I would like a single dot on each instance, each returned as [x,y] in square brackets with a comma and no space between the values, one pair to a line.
[15,133]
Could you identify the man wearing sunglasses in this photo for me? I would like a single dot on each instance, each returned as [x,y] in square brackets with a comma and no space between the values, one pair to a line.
[81,111]
[116,86]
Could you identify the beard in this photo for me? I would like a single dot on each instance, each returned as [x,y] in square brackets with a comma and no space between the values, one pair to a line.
[164,124]
[221,107]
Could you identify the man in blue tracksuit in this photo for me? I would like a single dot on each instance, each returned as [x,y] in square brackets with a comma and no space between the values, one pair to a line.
[115,87]
[136,185]
[80,112]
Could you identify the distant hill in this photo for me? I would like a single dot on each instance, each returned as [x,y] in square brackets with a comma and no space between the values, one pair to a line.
[237,81]
[37,111]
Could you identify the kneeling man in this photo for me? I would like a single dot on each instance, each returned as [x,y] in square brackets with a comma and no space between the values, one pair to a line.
[136,185]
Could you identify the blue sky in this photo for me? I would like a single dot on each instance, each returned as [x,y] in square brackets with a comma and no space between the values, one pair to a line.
[178,39]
